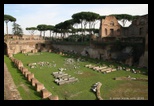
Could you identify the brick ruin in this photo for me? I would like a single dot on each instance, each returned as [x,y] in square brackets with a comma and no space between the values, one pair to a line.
[25,44]
[110,27]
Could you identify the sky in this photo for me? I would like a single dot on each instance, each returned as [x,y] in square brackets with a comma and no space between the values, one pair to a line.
[31,15]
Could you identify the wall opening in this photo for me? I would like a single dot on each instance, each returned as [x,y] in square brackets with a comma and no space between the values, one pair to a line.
[112,23]
[105,31]
[87,53]
[5,49]
[111,32]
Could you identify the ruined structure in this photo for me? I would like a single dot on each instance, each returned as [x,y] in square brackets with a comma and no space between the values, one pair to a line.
[25,44]
[110,27]
[111,33]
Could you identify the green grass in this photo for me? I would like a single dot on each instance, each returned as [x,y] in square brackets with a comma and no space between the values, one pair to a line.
[81,90]
[27,92]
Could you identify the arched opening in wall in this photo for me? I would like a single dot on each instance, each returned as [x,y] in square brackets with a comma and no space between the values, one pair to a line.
[5,49]
[36,46]
[87,53]
[43,45]
[111,32]
[105,31]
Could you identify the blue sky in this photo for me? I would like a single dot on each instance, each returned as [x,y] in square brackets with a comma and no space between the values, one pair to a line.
[31,15]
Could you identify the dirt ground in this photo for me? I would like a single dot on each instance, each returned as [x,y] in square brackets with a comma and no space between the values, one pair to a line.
[10,90]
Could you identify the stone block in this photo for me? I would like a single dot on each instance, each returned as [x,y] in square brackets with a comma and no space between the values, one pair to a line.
[34,51]
[34,81]
[20,64]
[50,50]
[45,93]
[39,87]
[30,76]
[26,73]
[24,70]
[10,55]
[12,59]
[51,97]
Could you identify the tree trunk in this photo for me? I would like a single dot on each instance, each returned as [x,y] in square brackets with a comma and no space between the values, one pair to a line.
[50,34]
[6,28]
[44,34]
[40,33]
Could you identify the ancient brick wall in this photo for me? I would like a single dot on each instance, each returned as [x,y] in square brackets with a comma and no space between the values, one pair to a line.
[24,46]
[139,27]
[110,27]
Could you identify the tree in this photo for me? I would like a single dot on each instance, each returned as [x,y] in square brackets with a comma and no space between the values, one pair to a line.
[31,30]
[8,18]
[42,27]
[59,28]
[50,28]
[17,30]
[84,18]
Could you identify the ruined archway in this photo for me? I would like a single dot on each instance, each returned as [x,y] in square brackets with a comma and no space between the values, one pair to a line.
[5,48]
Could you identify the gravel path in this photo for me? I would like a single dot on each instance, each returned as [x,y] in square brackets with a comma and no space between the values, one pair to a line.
[10,90]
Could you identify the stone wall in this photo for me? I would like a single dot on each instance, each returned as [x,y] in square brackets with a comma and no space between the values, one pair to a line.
[138,28]
[109,27]
[24,46]
[76,48]
[143,62]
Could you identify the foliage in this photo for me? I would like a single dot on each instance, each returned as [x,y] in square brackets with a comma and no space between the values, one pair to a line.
[86,18]
[50,28]
[8,18]
[31,30]
[17,30]
[43,27]
[27,92]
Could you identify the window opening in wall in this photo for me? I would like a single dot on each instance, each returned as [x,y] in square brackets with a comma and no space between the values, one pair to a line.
[105,31]
[36,46]
[43,45]
[111,32]
[112,23]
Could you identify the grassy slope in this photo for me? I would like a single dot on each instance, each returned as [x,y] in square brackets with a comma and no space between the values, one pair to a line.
[81,90]
[27,92]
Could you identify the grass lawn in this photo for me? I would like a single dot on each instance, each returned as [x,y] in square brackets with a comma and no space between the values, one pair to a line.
[27,91]
[111,89]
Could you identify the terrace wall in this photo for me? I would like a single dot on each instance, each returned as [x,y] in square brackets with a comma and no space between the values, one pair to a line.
[76,48]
